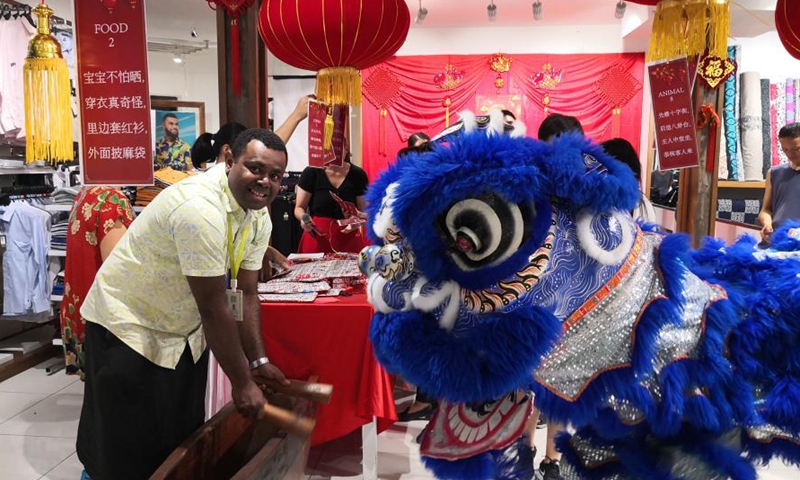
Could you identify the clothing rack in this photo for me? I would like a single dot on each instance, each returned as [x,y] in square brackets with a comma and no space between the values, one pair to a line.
[22,192]
[12,10]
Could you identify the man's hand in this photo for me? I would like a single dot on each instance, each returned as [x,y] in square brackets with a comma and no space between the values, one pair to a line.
[766,231]
[268,371]
[275,256]
[249,400]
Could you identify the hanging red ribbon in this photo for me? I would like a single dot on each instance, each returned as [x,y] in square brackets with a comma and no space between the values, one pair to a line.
[234,8]
[709,118]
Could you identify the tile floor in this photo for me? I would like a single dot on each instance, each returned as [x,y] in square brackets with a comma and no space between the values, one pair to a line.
[39,421]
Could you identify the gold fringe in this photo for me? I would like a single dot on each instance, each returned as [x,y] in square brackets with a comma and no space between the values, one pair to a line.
[719,27]
[686,28]
[48,111]
[339,86]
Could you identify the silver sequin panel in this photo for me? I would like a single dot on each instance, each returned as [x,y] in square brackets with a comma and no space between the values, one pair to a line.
[602,339]
[767,433]
[568,473]
[591,455]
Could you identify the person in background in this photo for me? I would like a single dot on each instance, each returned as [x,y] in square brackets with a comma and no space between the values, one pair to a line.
[211,148]
[171,151]
[557,124]
[99,218]
[782,190]
[550,468]
[161,295]
[418,139]
[318,212]
[623,151]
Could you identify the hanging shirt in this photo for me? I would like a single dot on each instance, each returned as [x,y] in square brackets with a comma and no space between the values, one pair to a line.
[25,278]
[176,155]
[141,294]
[14,37]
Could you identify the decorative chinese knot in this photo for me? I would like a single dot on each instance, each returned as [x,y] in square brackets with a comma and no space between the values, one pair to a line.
[382,88]
[447,80]
[501,64]
[616,87]
[234,8]
[111,4]
[546,79]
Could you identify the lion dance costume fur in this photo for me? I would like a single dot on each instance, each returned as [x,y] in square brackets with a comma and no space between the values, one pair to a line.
[507,272]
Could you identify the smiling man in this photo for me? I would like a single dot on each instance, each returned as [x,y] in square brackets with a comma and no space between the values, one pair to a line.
[161,295]
[171,151]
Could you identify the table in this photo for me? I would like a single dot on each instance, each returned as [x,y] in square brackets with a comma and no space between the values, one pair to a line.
[330,338]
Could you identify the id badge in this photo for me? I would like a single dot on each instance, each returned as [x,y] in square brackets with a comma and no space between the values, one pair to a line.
[236,302]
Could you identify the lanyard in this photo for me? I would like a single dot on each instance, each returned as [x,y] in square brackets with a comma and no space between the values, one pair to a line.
[236,260]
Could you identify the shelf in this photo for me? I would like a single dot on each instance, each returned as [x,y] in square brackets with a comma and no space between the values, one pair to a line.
[56,298]
[57,253]
[27,171]
[737,184]
[57,208]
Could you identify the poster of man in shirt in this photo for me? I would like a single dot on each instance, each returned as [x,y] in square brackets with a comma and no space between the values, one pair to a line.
[175,133]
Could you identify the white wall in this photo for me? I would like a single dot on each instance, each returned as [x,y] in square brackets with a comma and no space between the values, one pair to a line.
[765,54]
[194,80]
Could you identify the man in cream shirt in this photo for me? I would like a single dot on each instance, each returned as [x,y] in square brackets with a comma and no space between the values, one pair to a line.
[161,295]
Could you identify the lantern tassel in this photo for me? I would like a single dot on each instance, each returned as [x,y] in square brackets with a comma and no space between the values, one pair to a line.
[48,111]
[236,73]
[327,138]
[339,86]
[719,20]
[382,131]
[616,120]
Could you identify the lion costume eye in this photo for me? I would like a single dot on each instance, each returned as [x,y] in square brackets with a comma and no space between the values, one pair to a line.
[485,231]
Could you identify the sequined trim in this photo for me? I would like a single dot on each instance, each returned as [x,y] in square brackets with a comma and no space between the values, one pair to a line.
[603,339]
[768,433]
[496,298]
[592,456]
[613,283]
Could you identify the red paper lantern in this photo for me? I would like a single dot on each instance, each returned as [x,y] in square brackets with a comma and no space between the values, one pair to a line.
[335,38]
[651,3]
[787,22]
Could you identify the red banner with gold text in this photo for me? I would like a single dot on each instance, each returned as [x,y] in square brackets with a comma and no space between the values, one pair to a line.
[116,142]
[673,113]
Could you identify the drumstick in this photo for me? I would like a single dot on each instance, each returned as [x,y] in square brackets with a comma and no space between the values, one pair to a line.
[316,392]
[288,421]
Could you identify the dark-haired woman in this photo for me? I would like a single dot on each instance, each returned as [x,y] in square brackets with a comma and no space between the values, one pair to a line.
[210,148]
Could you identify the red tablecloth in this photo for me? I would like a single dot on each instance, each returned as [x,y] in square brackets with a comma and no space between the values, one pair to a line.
[330,338]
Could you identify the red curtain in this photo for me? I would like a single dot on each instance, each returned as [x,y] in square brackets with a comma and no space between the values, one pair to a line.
[419,106]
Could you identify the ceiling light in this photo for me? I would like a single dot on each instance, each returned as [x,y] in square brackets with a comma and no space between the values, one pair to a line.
[421,13]
[177,58]
[491,11]
[537,10]
[620,11]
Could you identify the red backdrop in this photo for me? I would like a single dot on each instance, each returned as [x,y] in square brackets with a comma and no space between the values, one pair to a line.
[418,106]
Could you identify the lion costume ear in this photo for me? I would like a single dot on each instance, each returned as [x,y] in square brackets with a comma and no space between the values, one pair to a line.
[582,173]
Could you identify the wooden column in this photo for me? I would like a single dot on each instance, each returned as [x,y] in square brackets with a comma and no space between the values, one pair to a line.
[250,106]
[697,194]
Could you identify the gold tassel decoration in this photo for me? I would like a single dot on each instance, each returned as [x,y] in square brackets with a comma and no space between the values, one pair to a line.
[719,27]
[48,112]
[339,86]
[327,136]
[686,28]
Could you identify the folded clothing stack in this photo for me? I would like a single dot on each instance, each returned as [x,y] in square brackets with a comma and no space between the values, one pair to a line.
[64,196]
[163,179]
[58,235]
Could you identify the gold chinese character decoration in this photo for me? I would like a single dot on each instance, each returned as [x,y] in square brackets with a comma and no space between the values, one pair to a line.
[546,79]
[715,70]
[448,80]
[500,63]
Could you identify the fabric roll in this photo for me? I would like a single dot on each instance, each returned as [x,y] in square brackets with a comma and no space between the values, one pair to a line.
[729,165]
[797,99]
[773,123]
[765,130]
[722,169]
[750,126]
[780,119]
[791,110]
[737,108]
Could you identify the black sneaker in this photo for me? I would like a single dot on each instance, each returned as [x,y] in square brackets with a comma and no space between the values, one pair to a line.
[550,471]
[540,424]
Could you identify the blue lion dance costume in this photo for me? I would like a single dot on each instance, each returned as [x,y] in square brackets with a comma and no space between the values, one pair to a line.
[509,272]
